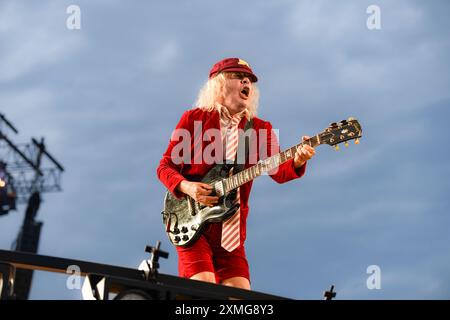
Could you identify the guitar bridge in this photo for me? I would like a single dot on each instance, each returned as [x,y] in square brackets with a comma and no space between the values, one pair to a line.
[192,206]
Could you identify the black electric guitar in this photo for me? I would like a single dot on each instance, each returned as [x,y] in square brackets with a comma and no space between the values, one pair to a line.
[185,218]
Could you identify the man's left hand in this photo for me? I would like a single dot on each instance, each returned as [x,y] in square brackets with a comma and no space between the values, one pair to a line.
[303,154]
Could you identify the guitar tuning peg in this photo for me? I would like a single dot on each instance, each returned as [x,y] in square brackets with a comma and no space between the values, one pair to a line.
[346,144]
[357,141]
[336,147]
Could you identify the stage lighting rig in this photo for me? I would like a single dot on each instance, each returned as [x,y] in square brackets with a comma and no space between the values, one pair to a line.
[30,166]
[26,171]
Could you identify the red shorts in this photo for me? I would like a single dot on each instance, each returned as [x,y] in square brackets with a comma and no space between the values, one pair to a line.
[206,254]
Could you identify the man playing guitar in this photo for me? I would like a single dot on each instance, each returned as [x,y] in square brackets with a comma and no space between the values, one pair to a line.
[227,101]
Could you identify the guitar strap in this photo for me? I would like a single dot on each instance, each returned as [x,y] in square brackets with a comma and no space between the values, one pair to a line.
[243,142]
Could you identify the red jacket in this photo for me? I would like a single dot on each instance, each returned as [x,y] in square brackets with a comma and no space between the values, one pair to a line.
[172,174]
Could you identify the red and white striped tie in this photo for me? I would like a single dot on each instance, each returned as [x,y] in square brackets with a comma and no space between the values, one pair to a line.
[230,227]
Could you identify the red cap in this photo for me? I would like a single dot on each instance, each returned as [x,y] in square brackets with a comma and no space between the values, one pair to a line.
[232,65]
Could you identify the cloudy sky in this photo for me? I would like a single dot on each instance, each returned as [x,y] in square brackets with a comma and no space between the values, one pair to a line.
[107,96]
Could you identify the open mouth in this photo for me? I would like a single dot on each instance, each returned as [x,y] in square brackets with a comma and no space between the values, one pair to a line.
[245,92]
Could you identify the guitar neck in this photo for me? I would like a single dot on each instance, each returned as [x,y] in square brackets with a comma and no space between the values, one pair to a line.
[264,166]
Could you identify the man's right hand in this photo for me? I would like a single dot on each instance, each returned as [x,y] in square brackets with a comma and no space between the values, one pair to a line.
[199,191]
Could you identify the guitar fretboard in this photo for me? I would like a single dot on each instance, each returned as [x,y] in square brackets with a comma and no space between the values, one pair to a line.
[264,166]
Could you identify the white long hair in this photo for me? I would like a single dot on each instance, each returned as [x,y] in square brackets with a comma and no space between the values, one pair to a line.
[211,93]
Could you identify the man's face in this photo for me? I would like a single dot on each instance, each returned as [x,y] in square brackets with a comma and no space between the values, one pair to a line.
[237,90]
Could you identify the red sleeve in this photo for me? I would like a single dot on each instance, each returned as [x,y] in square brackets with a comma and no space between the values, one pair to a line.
[170,167]
[286,171]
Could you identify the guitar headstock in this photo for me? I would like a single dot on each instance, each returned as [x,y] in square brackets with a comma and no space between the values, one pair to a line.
[341,132]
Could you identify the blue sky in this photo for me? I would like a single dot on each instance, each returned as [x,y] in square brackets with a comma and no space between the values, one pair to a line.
[106,98]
